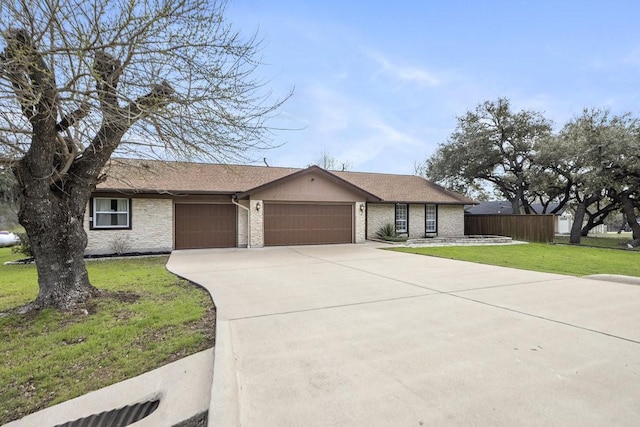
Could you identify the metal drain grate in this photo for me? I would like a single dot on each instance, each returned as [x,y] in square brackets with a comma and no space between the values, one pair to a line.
[117,417]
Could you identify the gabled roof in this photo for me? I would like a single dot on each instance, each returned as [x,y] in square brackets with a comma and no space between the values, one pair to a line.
[159,177]
[314,169]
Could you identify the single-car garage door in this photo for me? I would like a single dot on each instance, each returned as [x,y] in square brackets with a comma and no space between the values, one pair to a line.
[201,226]
[307,224]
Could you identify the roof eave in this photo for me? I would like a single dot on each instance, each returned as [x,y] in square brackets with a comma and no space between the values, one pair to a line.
[427,202]
[164,192]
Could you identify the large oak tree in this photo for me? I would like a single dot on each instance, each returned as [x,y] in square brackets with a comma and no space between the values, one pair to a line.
[491,145]
[80,80]
[601,153]
[592,164]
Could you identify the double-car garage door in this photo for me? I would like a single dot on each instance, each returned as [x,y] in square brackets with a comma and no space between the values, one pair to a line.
[307,224]
[215,225]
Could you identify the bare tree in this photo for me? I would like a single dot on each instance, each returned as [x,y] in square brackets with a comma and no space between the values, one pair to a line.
[419,168]
[82,80]
[328,162]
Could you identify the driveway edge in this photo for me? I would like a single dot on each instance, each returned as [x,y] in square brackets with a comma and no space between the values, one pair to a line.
[618,278]
[224,406]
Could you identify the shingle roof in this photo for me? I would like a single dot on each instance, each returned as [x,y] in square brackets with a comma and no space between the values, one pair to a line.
[151,176]
[403,188]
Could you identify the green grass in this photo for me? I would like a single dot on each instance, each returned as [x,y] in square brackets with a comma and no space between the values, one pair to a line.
[146,319]
[612,240]
[571,260]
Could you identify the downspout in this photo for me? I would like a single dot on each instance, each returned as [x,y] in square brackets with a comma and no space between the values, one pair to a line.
[233,200]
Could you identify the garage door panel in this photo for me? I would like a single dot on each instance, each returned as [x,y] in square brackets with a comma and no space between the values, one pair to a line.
[199,226]
[307,224]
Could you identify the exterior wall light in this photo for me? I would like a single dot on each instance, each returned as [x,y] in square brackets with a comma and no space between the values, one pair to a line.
[361,207]
[258,206]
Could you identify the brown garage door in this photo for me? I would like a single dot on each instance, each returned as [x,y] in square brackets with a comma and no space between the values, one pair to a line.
[297,224]
[205,226]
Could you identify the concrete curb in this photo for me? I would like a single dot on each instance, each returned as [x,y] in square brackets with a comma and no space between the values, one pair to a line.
[224,406]
[178,385]
[618,278]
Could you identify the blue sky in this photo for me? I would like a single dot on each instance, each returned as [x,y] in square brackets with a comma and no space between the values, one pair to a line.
[379,84]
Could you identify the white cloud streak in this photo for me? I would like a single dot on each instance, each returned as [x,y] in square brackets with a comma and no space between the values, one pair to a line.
[405,73]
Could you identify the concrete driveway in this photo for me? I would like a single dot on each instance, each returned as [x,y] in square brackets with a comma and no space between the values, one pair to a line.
[354,335]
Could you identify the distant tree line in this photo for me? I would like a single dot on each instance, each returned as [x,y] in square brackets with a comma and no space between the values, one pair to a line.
[592,164]
[326,161]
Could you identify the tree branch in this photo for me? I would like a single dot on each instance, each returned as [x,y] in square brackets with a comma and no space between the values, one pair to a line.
[33,82]
[159,97]
[107,69]
[72,118]
[70,156]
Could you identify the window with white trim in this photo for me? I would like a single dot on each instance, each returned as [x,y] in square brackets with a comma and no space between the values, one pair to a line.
[111,213]
[401,218]
[431,218]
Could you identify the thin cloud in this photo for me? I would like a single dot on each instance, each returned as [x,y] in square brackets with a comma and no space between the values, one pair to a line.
[379,141]
[392,134]
[405,73]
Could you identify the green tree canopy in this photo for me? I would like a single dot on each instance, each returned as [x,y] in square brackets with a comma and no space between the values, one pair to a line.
[494,146]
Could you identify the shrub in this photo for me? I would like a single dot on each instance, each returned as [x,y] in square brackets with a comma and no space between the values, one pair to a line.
[388,232]
[120,245]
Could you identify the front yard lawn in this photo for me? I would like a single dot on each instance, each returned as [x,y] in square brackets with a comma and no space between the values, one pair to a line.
[571,260]
[145,319]
[609,240]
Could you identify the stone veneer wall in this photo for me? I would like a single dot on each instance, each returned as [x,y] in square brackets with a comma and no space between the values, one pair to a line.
[416,221]
[360,222]
[450,220]
[151,229]
[379,214]
[257,223]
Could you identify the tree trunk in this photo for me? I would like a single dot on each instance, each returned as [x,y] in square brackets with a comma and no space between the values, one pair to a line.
[53,220]
[590,225]
[515,206]
[576,227]
[630,214]
[624,221]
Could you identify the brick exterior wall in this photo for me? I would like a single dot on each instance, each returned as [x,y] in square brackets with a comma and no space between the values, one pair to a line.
[152,225]
[360,223]
[379,214]
[450,220]
[416,221]
[151,229]
[257,223]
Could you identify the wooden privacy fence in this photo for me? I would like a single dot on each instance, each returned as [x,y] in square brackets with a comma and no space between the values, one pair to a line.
[531,228]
